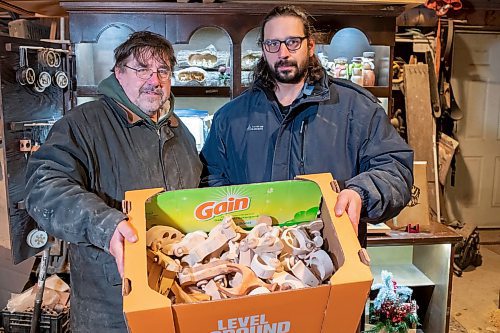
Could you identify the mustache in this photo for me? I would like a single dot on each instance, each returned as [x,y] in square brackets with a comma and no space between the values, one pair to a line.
[153,89]
[285,62]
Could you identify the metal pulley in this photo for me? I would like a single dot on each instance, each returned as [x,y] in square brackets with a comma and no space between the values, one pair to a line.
[49,58]
[37,88]
[61,79]
[57,60]
[44,79]
[25,75]
[37,238]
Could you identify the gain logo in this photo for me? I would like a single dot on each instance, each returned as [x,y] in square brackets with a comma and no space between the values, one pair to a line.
[210,209]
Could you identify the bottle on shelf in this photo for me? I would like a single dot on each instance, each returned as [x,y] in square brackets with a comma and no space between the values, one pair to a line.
[368,69]
[341,70]
[356,70]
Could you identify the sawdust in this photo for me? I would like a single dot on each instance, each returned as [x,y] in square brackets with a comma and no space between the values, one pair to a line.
[495,317]
[456,327]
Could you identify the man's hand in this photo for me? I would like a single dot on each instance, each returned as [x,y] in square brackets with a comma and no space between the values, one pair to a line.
[349,201]
[124,230]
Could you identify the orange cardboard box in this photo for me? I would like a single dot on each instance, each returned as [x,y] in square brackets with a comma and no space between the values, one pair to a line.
[329,308]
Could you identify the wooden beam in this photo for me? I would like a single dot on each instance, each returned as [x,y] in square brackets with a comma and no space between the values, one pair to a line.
[11,8]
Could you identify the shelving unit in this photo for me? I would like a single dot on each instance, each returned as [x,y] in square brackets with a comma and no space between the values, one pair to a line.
[423,262]
[96,28]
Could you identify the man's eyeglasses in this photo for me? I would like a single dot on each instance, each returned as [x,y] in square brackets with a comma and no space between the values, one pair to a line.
[164,74]
[274,45]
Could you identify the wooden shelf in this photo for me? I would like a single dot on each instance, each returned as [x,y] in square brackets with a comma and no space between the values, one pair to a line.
[404,274]
[91,91]
[438,234]
[185,91]
[379,91]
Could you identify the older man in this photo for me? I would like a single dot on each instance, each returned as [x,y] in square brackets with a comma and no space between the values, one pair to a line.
[129,139]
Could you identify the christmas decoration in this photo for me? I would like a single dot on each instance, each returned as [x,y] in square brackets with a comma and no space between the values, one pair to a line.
[393,310]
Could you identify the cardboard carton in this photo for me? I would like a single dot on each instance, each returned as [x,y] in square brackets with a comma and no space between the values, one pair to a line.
[336,307]
[417,210]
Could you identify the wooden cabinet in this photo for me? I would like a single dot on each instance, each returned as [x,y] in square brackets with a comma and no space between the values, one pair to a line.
[423,262]
[96,28]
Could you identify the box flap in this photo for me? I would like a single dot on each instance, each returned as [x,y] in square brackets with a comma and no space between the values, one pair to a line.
[286,202]
[350,285]
[142,316]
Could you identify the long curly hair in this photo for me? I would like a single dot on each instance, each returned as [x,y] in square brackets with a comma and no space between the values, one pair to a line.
[262,71]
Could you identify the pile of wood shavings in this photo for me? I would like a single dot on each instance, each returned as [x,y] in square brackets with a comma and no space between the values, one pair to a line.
[495,318]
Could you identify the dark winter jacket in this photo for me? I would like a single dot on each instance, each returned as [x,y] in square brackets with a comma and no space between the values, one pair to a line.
[335,126]
[77,180]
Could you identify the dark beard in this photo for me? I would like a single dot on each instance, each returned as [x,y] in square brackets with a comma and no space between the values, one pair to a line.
[284,77]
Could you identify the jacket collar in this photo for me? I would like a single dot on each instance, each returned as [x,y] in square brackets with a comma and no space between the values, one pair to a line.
[111,88]
[132,119]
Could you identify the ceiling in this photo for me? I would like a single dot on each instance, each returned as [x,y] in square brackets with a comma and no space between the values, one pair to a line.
[52,8]
[33,7]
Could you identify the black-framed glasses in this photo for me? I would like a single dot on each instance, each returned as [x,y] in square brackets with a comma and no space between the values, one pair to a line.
[292,44]
[164,74]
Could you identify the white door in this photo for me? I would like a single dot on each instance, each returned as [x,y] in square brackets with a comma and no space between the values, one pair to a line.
[476,84]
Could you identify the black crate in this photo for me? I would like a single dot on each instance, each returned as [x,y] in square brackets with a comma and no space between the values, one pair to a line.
[20,322]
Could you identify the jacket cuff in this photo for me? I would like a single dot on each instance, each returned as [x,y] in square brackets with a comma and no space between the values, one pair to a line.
[100,235]
[365,197]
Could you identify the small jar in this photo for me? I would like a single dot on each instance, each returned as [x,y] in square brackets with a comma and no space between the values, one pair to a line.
[356,70]
[341,71]
[383,70]
[368,68]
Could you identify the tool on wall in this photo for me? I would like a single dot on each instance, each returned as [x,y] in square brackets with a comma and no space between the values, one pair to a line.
[25,75]
[37,308]
[37,238]
[38,134]
[442,6]
[51,68]
[25,146]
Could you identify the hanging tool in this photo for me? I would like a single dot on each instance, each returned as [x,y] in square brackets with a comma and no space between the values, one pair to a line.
[37,307]
[442,6]
[25,146]
[435,102]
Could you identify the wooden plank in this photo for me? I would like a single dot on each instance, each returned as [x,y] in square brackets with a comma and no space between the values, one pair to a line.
[417,210]
[419,114]
[420,121]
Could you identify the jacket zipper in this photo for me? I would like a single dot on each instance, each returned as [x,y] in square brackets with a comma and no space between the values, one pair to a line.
[158,131]
[303,128]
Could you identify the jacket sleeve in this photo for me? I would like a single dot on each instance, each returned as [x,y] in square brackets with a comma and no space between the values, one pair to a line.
[57,194]
[386,172]
[214,158]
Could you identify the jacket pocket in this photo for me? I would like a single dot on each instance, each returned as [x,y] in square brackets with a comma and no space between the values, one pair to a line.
[111,274]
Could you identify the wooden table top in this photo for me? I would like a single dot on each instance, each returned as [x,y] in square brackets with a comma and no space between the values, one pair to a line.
[438,234]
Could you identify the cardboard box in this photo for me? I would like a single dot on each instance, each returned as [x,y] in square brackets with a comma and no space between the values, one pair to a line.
[417,210]
[336,307]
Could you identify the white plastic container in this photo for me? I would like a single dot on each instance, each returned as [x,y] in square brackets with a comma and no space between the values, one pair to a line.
[196,122]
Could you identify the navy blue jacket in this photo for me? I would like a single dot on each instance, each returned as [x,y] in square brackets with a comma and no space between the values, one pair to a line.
[335,126]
